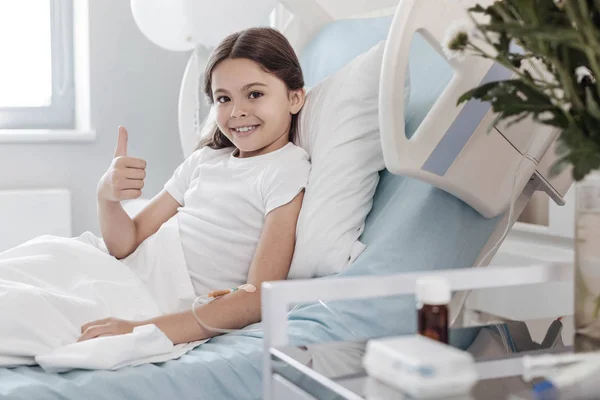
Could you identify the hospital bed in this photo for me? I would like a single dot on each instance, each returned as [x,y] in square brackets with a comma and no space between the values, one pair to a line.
[414,228]
[424,17]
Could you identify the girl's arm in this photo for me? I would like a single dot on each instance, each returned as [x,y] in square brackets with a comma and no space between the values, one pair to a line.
[236,310]
[123,234]
[124,180]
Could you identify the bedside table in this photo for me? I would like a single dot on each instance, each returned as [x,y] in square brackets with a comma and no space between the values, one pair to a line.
[278,297]
[334,370]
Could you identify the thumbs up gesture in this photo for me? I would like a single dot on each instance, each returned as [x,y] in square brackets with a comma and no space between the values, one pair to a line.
[124,179]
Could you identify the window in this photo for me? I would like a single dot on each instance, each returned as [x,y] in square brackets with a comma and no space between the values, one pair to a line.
[36,72]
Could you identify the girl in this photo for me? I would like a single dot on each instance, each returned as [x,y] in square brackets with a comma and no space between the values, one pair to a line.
[237,197]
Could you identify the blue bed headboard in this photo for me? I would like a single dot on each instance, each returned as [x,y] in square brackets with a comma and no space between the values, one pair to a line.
[317,59]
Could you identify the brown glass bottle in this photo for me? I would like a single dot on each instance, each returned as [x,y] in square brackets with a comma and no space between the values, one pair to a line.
[433,295]
[433,322]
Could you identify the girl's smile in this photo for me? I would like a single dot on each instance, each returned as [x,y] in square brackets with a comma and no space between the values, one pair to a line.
[244,130]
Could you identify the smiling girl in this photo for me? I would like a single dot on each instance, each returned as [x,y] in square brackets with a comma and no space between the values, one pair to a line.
[236,198]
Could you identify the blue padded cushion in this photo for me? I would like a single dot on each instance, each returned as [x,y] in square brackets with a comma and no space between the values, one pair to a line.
[330,50]
[412,226]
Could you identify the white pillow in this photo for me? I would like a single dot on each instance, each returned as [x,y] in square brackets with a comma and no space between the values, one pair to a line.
[339,128]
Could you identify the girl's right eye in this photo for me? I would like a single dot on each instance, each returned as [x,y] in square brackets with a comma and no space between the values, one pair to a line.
[222,99]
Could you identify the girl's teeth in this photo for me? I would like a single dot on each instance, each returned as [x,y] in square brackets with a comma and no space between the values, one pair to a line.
[245,129]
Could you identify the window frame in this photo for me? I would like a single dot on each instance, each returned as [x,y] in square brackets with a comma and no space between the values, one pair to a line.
[60,114]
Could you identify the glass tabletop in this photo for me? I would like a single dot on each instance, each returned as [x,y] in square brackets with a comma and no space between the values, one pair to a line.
[335,371]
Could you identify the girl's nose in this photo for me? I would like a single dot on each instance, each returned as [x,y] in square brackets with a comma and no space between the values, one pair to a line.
[239,113]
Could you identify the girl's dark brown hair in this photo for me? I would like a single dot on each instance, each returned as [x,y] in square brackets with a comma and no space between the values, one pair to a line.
[268,48]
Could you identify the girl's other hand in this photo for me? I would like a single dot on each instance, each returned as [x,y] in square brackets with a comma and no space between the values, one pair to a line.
[106,327]
[124,179]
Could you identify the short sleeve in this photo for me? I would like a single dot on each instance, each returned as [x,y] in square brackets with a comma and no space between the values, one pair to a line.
[180,181]
[284,182]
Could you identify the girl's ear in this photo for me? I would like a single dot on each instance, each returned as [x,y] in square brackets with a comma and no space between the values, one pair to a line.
[297,98]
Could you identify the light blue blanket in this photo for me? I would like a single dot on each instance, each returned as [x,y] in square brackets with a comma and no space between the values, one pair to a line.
[412,227]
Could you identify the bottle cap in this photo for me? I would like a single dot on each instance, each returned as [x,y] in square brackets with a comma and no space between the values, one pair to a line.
[433,290]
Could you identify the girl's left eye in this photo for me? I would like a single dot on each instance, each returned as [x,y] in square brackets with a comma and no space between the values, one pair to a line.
[255,95]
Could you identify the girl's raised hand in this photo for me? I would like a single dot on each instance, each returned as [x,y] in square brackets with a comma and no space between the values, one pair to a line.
[124,179]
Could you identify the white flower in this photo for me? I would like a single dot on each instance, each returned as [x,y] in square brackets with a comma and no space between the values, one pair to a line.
[555,95]
[560,102]
[521,95]
[545,116]
[582,72]
[482,19]
[494,37]
[455,40]
[486,45]
[566,106]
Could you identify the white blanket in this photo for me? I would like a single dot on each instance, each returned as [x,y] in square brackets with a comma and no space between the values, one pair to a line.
[51,286]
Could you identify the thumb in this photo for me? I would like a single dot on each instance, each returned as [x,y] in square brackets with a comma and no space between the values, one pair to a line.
[121,149]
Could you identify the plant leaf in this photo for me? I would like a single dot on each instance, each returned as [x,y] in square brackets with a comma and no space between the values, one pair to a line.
[591,104]
[516,120]
[477,9]
[479,92]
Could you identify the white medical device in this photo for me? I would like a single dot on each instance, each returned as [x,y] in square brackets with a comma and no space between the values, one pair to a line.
[420,367]
[454,148]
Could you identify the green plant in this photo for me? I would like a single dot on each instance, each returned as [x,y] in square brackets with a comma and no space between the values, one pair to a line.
[553,48]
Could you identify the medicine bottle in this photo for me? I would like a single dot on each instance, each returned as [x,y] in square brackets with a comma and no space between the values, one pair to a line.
[433,296]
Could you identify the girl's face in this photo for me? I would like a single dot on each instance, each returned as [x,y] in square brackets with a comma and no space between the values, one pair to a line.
[254,108]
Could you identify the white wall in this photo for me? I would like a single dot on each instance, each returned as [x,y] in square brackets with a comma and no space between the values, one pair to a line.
[346,9]
[133,83]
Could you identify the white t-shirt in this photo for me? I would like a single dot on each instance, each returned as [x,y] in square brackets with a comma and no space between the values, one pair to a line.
[224,201]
